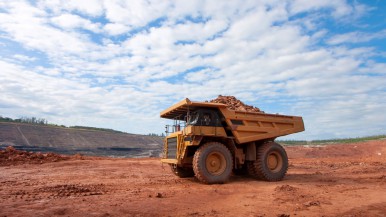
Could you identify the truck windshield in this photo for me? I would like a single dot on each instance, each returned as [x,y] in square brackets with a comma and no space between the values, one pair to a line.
[203,117]
[192,119]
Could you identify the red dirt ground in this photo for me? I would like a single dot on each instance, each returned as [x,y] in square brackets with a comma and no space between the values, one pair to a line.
[334,180]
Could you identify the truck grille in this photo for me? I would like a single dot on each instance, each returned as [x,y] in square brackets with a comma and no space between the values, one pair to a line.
[172,147]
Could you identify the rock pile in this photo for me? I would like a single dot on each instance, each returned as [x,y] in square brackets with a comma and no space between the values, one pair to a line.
[11,156]
[234,104]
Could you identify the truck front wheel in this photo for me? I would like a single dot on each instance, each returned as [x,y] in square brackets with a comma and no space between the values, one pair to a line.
[212,163]
[271,162]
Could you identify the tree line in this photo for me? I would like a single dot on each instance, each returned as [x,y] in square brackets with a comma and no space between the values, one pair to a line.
[155,134]
[28,120]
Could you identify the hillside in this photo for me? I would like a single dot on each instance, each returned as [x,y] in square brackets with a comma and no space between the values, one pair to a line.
[70,141]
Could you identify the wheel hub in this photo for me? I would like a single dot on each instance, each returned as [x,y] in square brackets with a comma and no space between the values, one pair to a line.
[215,163]
[274,162]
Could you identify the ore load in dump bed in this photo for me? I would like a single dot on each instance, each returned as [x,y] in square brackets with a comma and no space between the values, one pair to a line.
[219,138]
[233,103]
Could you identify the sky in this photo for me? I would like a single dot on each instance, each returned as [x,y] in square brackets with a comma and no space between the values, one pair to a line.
[117,64]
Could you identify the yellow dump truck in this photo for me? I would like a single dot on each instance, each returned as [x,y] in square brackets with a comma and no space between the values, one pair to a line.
[209,141]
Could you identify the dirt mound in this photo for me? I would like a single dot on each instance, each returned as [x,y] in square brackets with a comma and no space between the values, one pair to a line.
[11,156]
[285,188]
[234,104]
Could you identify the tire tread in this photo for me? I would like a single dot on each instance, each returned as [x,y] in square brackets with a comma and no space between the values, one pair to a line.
[258,169]
[197,167]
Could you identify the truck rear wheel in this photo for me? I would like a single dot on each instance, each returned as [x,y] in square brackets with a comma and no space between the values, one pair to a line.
[271,162]
[181,172]
[213,163]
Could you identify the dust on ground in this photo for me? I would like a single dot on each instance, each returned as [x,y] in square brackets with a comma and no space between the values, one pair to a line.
[334,180]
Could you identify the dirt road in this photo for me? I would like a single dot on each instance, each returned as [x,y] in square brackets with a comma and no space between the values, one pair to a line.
[336,180]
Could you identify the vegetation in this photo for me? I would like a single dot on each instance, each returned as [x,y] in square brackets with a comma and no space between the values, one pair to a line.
[157,135]
[32,120]
[96,128]
[293,142]
[331,141]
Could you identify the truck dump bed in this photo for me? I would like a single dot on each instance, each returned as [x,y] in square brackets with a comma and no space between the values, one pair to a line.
[245,126]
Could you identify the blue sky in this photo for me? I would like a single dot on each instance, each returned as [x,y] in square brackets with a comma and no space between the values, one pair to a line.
[117,64]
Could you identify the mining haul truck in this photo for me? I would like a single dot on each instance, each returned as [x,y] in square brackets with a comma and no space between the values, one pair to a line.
[209,141]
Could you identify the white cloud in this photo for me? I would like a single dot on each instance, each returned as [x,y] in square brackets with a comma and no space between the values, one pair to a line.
[71,21]
[116,28]
[374,68]
[356,37]
[256,22]
[23,58]
[340,8]
[201,76]
[134,13]
[86,7]
[28,26]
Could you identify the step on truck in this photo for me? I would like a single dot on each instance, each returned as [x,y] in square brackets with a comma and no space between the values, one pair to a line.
[209,141]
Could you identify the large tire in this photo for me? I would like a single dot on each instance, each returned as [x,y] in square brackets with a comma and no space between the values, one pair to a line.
[213,163]
[271,163]
[181,172]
